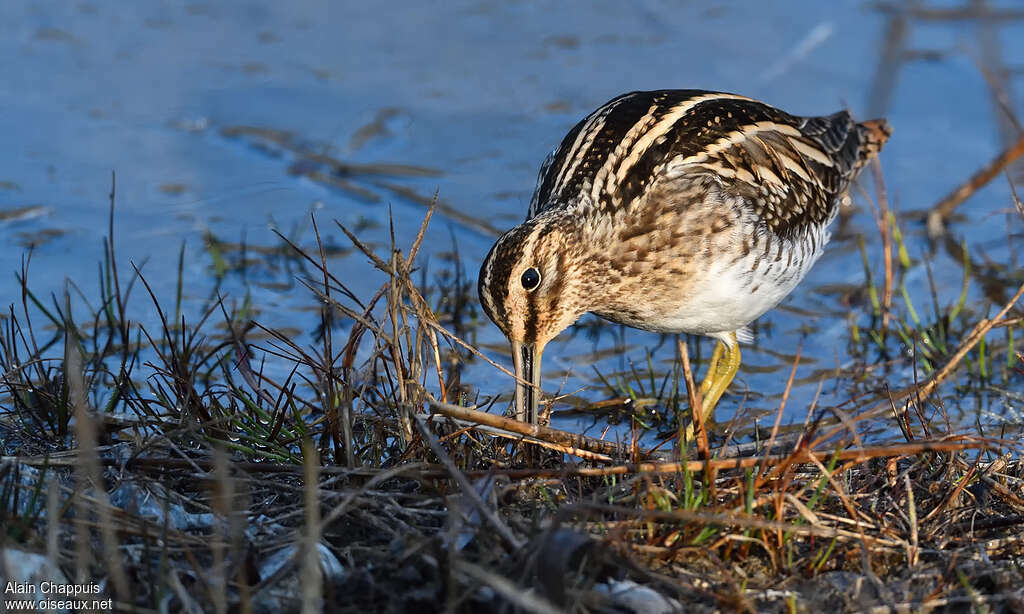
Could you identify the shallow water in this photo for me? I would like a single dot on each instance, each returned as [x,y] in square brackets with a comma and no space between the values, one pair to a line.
[480,92]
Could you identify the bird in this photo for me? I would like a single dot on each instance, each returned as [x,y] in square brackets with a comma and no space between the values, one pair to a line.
[674,211]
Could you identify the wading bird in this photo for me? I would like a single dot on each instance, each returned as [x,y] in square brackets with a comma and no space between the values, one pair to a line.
[675,211]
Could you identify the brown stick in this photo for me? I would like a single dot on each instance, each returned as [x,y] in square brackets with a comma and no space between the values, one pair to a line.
[979,331]
[712,518]
[940,213]
[882,196]
[536,431]
[696,403]
[802,456]
[488,430]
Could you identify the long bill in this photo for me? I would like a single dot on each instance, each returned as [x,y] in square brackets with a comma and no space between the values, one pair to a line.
[526,358]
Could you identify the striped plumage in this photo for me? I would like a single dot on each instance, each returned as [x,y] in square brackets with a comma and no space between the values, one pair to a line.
[673,211]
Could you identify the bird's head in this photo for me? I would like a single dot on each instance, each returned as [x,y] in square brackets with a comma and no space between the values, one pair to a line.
[529,287]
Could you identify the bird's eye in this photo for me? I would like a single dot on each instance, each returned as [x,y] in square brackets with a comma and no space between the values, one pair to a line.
[530,278]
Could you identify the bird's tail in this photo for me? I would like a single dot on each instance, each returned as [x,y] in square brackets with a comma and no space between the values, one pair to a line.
[873,135]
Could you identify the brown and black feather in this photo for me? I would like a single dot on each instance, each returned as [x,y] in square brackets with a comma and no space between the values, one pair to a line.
[790,170]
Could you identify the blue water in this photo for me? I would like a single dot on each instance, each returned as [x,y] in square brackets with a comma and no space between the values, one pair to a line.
[480,91]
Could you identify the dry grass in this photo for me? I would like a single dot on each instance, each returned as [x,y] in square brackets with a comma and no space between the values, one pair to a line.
[169,467]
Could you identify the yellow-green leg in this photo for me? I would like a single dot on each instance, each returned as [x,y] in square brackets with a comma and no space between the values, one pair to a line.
[722,368]
[709,377]
[725,362]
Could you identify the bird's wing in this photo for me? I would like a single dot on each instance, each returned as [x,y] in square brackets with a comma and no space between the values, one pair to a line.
[791,173]
[585,165]
[793,169]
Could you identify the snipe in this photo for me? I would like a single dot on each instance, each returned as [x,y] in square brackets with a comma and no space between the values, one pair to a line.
[676,211]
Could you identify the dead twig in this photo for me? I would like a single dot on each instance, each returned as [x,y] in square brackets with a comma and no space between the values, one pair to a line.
[940,212]
[534,431]
[721,464]
[696,404]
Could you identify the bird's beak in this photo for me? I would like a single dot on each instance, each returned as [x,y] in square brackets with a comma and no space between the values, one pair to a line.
[526,357]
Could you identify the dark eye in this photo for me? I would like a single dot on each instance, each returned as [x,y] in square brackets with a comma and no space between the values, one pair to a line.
[530,278]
